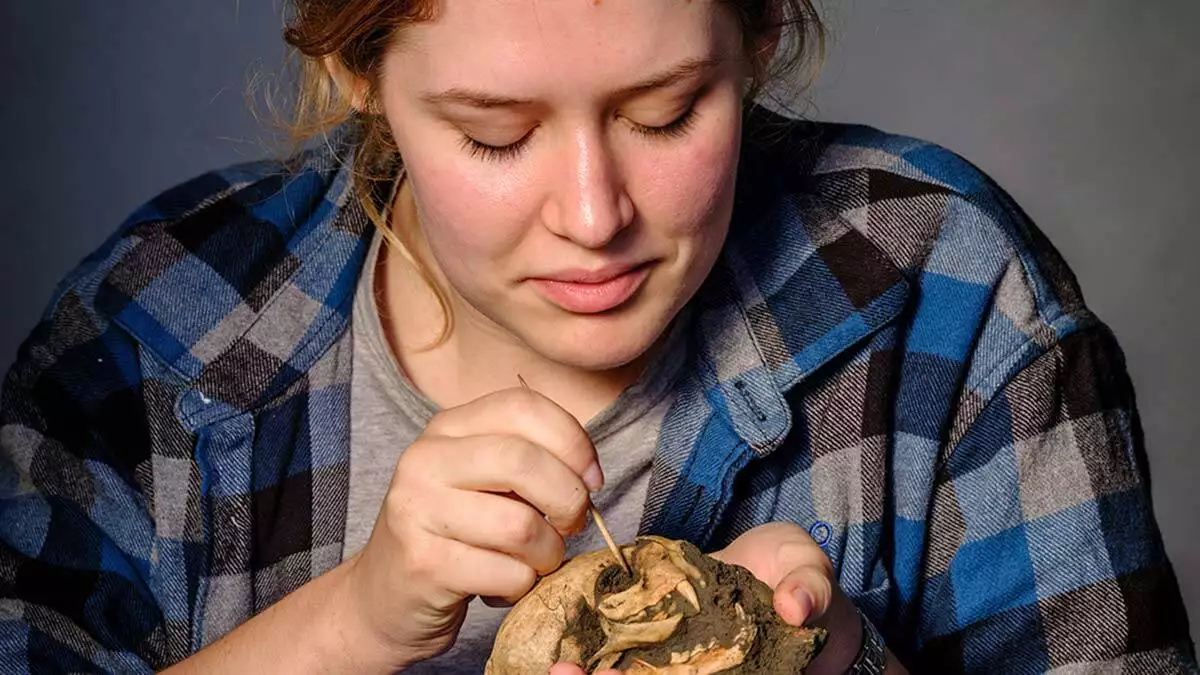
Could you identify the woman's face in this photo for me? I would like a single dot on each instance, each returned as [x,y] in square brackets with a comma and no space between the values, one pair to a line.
[572,162]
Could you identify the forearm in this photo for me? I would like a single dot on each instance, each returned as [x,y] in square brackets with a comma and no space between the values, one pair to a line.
[846,643]
[825,663]
[312,630]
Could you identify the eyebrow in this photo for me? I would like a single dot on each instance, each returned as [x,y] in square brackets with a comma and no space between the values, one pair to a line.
[481,99]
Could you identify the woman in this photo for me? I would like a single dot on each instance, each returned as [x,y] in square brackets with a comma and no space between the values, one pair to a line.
[275,422]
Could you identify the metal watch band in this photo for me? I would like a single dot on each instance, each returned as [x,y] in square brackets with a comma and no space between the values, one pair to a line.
[872,656]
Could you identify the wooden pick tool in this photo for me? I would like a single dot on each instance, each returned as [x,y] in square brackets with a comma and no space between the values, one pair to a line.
[599,520]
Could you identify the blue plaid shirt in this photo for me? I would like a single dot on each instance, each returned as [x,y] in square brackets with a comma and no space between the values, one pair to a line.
[888,353]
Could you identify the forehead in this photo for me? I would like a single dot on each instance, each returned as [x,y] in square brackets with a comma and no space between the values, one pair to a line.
[528,46]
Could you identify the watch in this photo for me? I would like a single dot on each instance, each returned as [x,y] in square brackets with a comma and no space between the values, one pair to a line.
[872,655]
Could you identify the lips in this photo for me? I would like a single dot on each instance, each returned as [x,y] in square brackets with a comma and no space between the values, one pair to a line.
[591,291]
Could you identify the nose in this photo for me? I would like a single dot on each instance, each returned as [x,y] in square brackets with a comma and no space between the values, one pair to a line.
[590,205]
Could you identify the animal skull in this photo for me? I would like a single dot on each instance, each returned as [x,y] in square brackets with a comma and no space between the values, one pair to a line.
[673,617]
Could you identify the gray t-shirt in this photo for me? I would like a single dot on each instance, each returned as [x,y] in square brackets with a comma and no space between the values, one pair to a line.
[388,413]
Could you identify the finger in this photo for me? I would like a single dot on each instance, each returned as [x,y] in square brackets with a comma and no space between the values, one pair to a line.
[467,570]
[526,413]
[773,550]
[499,524]
[804,595]
[492,601]
[507,463]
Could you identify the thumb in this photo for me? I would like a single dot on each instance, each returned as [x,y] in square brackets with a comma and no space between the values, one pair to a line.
[804,595]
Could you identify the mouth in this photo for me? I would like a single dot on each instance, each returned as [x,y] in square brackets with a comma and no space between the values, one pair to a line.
[594,291]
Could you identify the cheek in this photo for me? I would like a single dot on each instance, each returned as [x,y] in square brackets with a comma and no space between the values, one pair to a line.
[691,191]
[467,221]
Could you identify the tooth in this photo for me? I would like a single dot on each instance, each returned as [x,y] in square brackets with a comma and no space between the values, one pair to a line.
[685,589]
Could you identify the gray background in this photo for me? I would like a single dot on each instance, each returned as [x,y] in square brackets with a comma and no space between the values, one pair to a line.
[1084,111]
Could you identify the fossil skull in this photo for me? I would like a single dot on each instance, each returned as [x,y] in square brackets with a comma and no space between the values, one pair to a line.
[671,618]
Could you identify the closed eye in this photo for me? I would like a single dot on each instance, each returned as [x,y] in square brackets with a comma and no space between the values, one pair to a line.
[676,128]
[495,153]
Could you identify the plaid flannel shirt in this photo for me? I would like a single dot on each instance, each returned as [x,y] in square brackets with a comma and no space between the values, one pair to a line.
[888,353]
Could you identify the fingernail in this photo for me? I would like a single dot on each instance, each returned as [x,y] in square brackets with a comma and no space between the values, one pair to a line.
[804,602]
[593,477]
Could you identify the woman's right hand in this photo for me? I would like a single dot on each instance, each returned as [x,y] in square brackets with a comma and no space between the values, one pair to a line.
[478,506]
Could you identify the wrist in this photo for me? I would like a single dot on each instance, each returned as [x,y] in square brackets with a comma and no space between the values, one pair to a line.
[845,640]
[350,635]
[873,657]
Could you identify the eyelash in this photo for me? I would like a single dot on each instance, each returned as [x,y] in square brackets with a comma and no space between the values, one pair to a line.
[494,153]
[676,128]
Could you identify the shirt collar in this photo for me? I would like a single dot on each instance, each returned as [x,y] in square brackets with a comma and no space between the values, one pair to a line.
[796,285]
[265,256]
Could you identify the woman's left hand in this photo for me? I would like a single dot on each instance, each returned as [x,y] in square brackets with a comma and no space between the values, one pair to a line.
[784,557]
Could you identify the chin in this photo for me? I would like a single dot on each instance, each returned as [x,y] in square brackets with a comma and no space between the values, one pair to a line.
[593,358]
[596,349]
